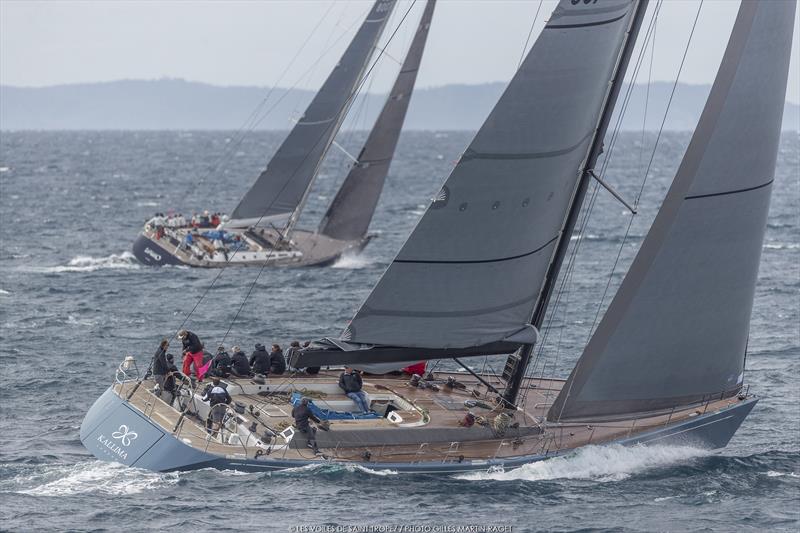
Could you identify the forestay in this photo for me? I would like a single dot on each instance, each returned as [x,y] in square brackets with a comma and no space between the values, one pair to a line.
[471,271]
[676,331]
[351,211]
[280,188]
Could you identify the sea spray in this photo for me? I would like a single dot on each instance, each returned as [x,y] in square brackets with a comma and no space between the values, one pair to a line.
[352,262]
[83,263]
[90,477]
[597,463]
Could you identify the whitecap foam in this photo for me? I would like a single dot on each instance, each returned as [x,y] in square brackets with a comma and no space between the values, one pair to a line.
[71,320]
[352,262]
[84,263]
[93,476]
[330,467]
[596,463]
[773,473]
[147,204]
[370,471]
[4,293]
[781,246]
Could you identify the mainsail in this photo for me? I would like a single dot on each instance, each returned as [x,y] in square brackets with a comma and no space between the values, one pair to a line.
[351,211]
[280,188]
[472,270]
[676,331]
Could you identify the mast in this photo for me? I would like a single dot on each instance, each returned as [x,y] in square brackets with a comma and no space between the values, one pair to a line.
[524,357]
[342,115]
[349,214]
[274,197]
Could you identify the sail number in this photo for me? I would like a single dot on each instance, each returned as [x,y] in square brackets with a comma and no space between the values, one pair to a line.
[587,2]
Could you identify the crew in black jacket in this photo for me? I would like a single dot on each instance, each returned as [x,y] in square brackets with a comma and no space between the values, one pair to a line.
[277,362]
[259,360]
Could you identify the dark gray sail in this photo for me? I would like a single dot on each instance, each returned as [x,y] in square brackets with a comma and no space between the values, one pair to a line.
[350,213]
[471,271]
[280,188]
[676,331]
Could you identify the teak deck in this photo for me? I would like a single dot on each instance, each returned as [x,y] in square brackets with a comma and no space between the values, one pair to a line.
[437,413]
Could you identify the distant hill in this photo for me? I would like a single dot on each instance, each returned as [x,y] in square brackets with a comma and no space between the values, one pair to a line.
[170,104]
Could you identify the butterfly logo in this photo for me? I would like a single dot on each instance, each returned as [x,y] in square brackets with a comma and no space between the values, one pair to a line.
[125,435]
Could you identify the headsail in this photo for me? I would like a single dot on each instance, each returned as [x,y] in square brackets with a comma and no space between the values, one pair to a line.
[351,211]
[280,188]
[471,271]
[676,331]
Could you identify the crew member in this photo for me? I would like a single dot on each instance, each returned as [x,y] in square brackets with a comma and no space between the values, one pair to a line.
[239,362]
[351,383]
[277,362]
[192,353]
[170,383]
[160,367]
[302,414]
[218,397]
[221,364]
[259,360]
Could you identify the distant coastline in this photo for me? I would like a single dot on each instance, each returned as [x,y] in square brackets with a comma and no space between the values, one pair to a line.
[173,104]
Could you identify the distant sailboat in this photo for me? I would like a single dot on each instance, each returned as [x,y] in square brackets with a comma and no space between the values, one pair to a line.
[262,228]
[666,363]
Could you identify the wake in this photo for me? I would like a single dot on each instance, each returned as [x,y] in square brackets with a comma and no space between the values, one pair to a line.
[85,263]
[596,463]
[91,477]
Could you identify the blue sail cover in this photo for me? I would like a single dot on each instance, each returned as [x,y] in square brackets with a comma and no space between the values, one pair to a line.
[330,414]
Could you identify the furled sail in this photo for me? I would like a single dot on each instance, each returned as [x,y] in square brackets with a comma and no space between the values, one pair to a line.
[471,271]
[350,213]
[280,188]
[676,331]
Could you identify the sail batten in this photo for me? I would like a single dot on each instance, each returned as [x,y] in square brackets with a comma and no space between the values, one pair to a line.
[676,331]
[283,185]
[349,214]
[472,270]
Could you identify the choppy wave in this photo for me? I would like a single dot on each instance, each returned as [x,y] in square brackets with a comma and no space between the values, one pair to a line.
[89,477]
[85,263]
[596,463]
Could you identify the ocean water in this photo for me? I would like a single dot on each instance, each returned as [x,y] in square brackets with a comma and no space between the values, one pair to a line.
[73,303]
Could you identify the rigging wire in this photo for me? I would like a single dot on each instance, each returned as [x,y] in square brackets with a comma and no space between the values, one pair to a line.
[530,32]
[646,173]
[565,285]
[246,127]
[566,282]
[349,101]
[644,180]
[227,262]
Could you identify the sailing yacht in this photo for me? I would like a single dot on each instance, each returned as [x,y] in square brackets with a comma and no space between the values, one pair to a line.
[262,228]
[665,364]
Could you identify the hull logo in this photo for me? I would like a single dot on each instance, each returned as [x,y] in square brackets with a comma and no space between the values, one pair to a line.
[124,435]
[152,254]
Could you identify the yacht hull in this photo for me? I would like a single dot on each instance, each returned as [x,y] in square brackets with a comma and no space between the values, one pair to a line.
[308,249]
[151,253]
[115,431]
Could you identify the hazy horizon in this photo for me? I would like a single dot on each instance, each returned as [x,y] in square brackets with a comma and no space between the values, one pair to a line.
[251,44]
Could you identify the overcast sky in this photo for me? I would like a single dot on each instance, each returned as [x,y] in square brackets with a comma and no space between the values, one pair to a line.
[252,42]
